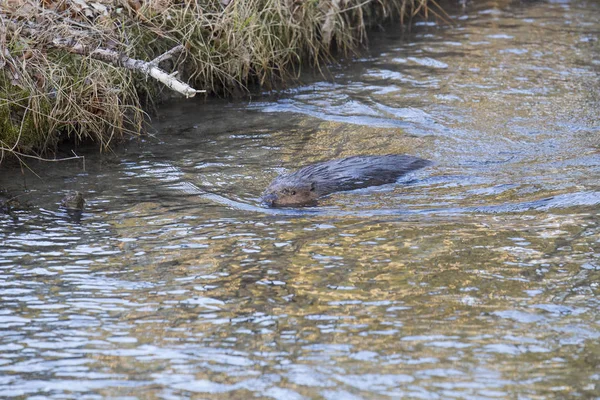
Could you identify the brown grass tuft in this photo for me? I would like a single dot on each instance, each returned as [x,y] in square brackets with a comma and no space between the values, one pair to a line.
[49,94]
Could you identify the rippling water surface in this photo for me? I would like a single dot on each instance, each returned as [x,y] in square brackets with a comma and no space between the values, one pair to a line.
[474,278]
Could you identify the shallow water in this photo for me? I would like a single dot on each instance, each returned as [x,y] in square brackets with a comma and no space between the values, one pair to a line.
[474,278]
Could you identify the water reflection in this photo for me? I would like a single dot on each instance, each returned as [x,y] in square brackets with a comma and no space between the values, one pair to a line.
[474,278]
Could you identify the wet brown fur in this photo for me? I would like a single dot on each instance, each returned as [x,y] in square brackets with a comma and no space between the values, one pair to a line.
[304,186]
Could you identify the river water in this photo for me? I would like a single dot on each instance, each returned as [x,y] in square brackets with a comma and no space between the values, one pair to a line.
[474,278]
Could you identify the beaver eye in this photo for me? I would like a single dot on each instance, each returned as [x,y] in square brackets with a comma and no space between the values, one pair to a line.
[293,192]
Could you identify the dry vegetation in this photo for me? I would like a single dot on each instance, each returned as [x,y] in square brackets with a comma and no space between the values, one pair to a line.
[65,71]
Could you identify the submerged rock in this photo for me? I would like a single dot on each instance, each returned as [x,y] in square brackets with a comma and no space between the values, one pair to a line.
[73,201]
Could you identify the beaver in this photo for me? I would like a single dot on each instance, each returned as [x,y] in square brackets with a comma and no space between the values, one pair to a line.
[304,186]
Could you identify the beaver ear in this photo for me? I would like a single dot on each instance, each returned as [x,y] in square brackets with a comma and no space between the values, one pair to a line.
[312,187]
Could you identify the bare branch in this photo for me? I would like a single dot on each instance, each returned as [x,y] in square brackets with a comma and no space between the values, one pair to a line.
[121,60]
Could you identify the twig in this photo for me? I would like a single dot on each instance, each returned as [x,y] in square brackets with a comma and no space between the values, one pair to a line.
[19,154]
[169,54]
[82,159]
[121,60]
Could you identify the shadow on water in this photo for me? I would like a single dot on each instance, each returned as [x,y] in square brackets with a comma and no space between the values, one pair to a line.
[476,277]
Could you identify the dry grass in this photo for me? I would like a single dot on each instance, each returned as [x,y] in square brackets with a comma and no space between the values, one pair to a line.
[48,94]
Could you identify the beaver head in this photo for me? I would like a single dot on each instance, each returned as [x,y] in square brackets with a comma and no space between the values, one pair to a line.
[283,193]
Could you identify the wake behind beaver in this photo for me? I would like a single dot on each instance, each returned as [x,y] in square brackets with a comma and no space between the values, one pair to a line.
[304,186]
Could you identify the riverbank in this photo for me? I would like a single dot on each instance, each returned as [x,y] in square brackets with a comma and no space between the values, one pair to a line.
[80,71]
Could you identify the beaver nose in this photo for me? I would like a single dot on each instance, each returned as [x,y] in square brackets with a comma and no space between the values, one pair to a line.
[269,199]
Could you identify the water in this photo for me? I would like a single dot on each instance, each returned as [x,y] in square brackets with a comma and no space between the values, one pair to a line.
[474,278]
